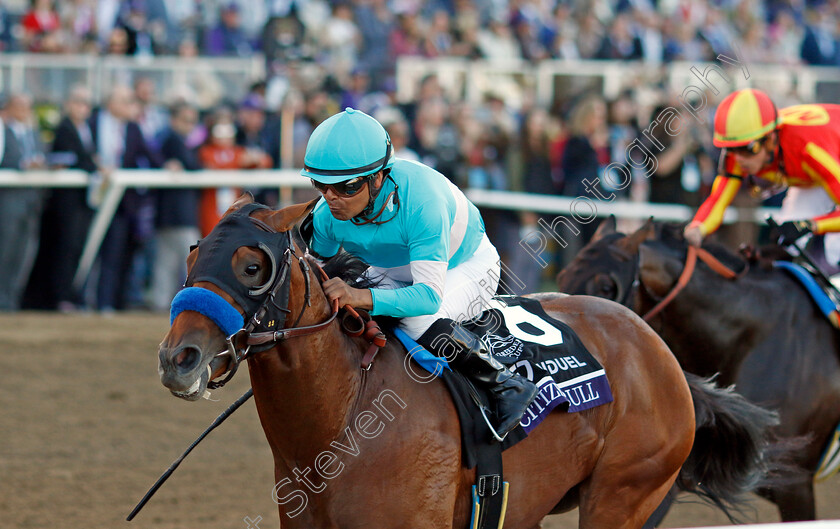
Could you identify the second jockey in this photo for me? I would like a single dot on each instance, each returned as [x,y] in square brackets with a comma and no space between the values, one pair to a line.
[797,146]
[425,244]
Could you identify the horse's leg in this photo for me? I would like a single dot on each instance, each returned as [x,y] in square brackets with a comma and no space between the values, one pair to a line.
[661,511]
[796,502]
[617,501]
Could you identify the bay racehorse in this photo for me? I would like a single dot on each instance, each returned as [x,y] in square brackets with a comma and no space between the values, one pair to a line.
[358,448]
[760,331]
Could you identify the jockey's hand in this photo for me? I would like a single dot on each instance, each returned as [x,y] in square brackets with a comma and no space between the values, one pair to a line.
[359,298]
[790,231]
[693,235]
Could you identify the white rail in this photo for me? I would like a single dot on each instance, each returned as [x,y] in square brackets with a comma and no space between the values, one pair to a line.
[287,179]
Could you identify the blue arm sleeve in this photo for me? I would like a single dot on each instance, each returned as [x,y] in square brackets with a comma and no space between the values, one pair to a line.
[322,243]
[415,300]
[428,240]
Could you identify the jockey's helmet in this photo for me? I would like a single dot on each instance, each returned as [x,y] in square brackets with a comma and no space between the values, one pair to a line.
[345,146]
[744,116]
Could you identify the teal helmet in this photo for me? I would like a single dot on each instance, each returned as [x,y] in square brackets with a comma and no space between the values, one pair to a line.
[345,146]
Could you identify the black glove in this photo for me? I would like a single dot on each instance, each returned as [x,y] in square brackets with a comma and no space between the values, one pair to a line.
[791,230]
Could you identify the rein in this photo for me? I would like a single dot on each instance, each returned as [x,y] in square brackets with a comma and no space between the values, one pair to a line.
[690,264]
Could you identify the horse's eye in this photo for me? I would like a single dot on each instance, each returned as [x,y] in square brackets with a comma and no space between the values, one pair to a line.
[602,286]
[252,270]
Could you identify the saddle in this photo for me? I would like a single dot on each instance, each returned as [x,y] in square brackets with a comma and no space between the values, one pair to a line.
[523,337]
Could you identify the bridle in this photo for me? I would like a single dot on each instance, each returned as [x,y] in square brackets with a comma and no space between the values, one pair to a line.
[247,341]
[685,276]
[692,255]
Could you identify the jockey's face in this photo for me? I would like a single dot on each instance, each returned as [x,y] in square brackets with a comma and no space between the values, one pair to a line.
[752,163]
[345,207]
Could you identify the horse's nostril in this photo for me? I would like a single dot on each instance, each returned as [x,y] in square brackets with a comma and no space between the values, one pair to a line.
[187,358]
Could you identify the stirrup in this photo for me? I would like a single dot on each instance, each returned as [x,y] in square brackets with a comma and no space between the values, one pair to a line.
[483,411]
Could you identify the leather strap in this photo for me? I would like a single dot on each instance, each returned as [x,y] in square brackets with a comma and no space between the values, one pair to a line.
[690,264]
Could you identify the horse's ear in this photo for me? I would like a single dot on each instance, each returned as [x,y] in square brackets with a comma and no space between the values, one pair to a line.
[631,243]
[284,219]
[606,227]
[244,200]
[653,272]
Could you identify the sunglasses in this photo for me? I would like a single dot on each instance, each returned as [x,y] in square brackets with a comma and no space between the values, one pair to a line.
[342,189]
[752,148]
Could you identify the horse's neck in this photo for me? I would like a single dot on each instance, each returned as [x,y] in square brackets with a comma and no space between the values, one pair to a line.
[305,388]
[715,322]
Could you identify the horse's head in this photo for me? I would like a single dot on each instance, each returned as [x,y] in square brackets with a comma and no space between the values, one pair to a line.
[607,267]
[238,277]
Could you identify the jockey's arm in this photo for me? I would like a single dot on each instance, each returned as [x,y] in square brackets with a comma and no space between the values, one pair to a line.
[824,169]
[710,214]
[428,249]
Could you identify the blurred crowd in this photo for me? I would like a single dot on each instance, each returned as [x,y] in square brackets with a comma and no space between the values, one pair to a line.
[353,46]
[371,34]
[141,261]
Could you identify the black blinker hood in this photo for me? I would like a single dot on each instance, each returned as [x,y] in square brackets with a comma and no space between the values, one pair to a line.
[216,251]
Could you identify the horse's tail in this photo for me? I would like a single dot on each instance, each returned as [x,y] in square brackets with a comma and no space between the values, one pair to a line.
[732,454]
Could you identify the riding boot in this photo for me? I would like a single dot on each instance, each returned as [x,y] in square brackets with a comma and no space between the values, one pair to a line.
[512,393]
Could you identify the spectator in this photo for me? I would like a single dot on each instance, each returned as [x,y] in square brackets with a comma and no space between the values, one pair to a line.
[819,47]
[315,110]
[255,132]
[78,18]
[177,210]
[340,41]
[151,116]
[375,24]
[18,225]
[141,34]
[620,43]
[357,88]
[590,34]
[7,42]
[785,37]
[397,128]
[438,41]
[581,160]
[680,150]
[221,152]
[228,37]
[497,42]
[435,139]
[42,28]
[283,41]
[67,213]
[117,42]
[407,37]
[22,123]
[120,144]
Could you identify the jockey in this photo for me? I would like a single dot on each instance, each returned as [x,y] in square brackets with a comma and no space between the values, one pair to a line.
[425,244]
[797,146]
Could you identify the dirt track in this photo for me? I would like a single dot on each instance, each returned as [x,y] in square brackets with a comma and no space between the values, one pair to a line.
[86,428]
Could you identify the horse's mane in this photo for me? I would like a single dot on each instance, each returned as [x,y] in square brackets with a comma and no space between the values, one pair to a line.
[351,270]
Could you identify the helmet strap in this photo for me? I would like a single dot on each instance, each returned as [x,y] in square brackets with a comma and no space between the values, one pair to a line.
[364,217]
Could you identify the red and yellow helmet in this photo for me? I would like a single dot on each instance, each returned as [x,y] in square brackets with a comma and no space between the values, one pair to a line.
[743,116]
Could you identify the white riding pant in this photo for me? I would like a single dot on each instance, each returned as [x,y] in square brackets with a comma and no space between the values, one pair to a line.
[808,202]
[466,292]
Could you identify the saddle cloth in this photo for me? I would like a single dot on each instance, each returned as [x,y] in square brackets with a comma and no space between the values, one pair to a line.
[546,351]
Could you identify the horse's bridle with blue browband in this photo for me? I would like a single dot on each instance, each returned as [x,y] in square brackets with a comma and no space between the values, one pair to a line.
[264,307]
